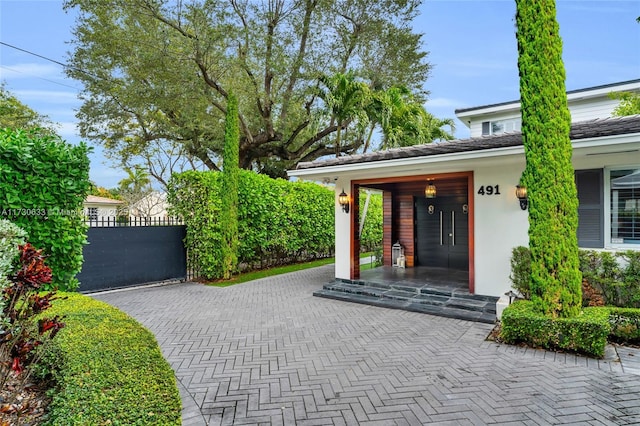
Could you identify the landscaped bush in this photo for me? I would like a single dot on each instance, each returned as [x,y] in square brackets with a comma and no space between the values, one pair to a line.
[586,333]
[279,222]
[108,369]
[11,236]
[625,325]
[612,279]
[43,182]
[22,334]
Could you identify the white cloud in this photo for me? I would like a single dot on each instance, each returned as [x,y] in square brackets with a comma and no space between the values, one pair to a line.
[67,130]
[47,96]
[29,70]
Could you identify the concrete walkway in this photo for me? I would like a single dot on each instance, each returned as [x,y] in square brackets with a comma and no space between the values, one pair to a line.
[267,352]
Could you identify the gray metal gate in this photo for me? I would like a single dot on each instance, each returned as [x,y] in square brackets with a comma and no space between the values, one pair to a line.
[123,256]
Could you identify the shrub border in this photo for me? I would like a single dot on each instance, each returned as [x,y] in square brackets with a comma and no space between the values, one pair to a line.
[586,333]
[108,369]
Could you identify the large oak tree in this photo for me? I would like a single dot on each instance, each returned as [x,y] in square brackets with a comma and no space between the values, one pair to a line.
[157,74]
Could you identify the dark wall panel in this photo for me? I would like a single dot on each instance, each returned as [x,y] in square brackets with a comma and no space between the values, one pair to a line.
[126,256]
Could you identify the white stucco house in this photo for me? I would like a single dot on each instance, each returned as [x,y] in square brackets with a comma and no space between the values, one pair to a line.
[101,210]
[475,219]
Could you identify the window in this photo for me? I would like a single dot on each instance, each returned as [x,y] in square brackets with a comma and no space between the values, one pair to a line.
[625,206]
[92,212]
[501,126]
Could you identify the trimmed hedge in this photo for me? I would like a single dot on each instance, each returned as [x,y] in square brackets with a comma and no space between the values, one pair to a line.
[279,222]
[585,333]
[108,369]
[43,183]
[625,325]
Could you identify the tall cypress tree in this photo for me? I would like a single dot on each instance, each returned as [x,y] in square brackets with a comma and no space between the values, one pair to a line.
[229,190]
[548,175]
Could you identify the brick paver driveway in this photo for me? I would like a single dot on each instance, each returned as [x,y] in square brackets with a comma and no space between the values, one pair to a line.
[267,352]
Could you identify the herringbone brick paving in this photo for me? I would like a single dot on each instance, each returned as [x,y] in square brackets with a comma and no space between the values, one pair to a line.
[267,352]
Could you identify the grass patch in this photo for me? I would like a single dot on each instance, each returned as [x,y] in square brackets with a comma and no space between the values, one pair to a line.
[264,273]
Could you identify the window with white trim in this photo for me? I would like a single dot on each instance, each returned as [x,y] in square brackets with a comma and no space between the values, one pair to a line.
[501,126]
[625,206]
[92,213]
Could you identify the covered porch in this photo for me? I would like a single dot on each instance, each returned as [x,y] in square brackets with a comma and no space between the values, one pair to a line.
[435,230]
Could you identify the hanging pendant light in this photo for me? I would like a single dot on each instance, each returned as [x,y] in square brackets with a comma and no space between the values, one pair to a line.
[430,190]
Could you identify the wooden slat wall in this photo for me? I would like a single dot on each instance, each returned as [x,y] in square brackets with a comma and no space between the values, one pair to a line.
[403,220]
[387,227]
[448,187]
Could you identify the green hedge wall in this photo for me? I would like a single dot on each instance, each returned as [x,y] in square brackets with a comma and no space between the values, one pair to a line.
[278,221]
[43,183]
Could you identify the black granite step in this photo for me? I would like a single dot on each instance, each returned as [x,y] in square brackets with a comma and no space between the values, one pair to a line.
[446,302]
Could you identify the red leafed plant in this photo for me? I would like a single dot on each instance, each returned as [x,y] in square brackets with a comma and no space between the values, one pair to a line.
[20,333]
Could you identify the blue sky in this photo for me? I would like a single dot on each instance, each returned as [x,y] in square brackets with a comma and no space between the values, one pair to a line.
[471,43]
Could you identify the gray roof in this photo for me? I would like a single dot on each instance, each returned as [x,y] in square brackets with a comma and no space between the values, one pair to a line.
[580,130]
[604,86]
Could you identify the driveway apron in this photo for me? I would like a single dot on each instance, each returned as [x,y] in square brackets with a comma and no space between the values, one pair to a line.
[268,352]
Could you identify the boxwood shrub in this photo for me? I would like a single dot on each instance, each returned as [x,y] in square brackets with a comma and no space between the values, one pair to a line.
[586,333]
[625,325]
[108,369]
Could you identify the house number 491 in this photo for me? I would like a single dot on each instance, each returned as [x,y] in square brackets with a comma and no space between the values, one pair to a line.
[489,190]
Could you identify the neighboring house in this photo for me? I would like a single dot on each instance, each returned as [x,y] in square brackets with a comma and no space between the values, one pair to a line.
[153,205]
[475,219]
[100,210]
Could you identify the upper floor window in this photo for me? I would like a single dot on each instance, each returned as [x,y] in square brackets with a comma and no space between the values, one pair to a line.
[501,126]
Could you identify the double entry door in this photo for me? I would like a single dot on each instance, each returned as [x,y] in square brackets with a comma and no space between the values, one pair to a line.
[442,232]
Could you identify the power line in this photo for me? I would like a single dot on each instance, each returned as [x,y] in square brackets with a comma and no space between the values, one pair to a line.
[47,59]
[35,76]
[34,54]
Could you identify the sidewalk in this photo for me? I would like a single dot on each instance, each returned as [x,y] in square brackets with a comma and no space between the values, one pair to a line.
[267,352]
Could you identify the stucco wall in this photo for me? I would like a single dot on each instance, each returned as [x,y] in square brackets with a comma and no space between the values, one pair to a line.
[500,225]
[343,228]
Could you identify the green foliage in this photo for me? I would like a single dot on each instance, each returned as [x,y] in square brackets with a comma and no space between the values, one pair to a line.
[584,333]
[229,190]
[166,68]
[18,116]
[548,175]
[11,236]
[629,103]
[615,275]
[43,183]
[521,271]
[108,369]
[24,332]
[625,325]
[371,237]
[278,221]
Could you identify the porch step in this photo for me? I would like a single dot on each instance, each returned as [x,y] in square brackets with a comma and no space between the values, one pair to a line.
[443,302]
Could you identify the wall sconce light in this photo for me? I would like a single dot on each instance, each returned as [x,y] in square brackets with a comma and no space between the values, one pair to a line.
[343,200]
[430,190]
[521,193]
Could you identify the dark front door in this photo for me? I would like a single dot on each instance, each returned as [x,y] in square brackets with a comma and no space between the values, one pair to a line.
[442,232]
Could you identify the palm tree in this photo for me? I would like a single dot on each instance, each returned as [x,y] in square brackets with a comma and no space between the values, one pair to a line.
[137,179]
[345,98]
[409,123]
